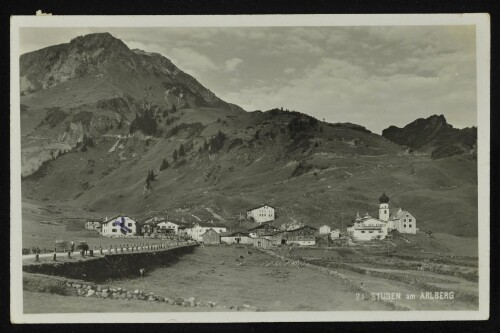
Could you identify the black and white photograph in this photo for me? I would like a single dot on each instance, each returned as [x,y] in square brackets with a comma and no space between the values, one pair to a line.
[237,168]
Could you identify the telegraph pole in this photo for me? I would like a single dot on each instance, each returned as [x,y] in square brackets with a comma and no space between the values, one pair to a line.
[342,220]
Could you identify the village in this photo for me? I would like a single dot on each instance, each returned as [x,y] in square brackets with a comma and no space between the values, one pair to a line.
[262,233]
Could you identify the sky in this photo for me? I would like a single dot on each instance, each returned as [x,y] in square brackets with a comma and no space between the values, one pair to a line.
[375,76]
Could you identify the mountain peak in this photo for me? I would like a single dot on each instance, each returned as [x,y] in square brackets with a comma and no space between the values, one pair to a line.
[101,57]
[98,40]
[435,119]
[432,134]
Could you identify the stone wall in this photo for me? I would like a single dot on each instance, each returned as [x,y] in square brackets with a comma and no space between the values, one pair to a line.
[111,266]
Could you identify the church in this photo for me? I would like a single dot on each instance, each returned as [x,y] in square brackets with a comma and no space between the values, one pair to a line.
[369,228]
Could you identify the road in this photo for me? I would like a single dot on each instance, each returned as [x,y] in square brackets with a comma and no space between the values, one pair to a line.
[97,252]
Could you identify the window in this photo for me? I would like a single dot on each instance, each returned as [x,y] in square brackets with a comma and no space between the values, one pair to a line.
[362,231]
[130,224]
[409,225]
[371,232]
[385,211]
[113,230]
[409,220]
[380,231]
[404,225]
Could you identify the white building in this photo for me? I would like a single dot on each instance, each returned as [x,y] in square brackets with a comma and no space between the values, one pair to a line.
[119,226]
[324,229]
[367,228]
[335,234]
[237,237]
[168,227]
[200,228]
[404,222]
[261,214]
[93,224]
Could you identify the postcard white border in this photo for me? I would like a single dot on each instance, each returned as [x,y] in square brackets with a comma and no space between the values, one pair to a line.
[482,23]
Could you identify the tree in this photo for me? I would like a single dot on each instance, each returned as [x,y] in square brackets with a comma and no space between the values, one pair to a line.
[149,178]
[174,155]
[181,150]
[164,165]
[217,142]
[146,123]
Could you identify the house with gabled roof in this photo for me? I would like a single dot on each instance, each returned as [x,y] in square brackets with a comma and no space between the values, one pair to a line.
[210,237]
[119,226]
[261,229]
[94,223]
[261,214]
[304,235]
[199,228]
[236,237]
[404,222]
[324,229]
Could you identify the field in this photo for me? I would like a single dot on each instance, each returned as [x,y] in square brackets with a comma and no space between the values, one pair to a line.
[233,276]
[406,268]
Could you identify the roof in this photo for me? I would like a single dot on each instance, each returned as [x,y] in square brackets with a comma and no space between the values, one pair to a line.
[302,227]
[335,230]
[325,225]
[383,198]
[206,224]
[115,217]
[399,214]
[210,231]
[260,207]
[272,233]
[262,225]
[233,233]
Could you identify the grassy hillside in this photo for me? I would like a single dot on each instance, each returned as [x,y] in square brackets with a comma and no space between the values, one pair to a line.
[325,174]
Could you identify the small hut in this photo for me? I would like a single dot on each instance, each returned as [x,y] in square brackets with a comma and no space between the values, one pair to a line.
[262,243]
[211,237]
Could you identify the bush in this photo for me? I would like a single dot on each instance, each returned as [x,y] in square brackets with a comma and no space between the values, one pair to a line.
[217,142]
[146,123]
[164,165]
[301,168]
[46,285]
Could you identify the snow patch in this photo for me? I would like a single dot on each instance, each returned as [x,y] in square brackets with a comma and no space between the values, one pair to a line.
[215,215]
[112,149]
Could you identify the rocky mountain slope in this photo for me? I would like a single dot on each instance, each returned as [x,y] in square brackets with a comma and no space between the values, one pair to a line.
[107,129]
[93,84]
[434,135]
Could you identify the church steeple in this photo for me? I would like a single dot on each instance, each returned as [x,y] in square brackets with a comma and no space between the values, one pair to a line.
[383,198]
[383,207]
